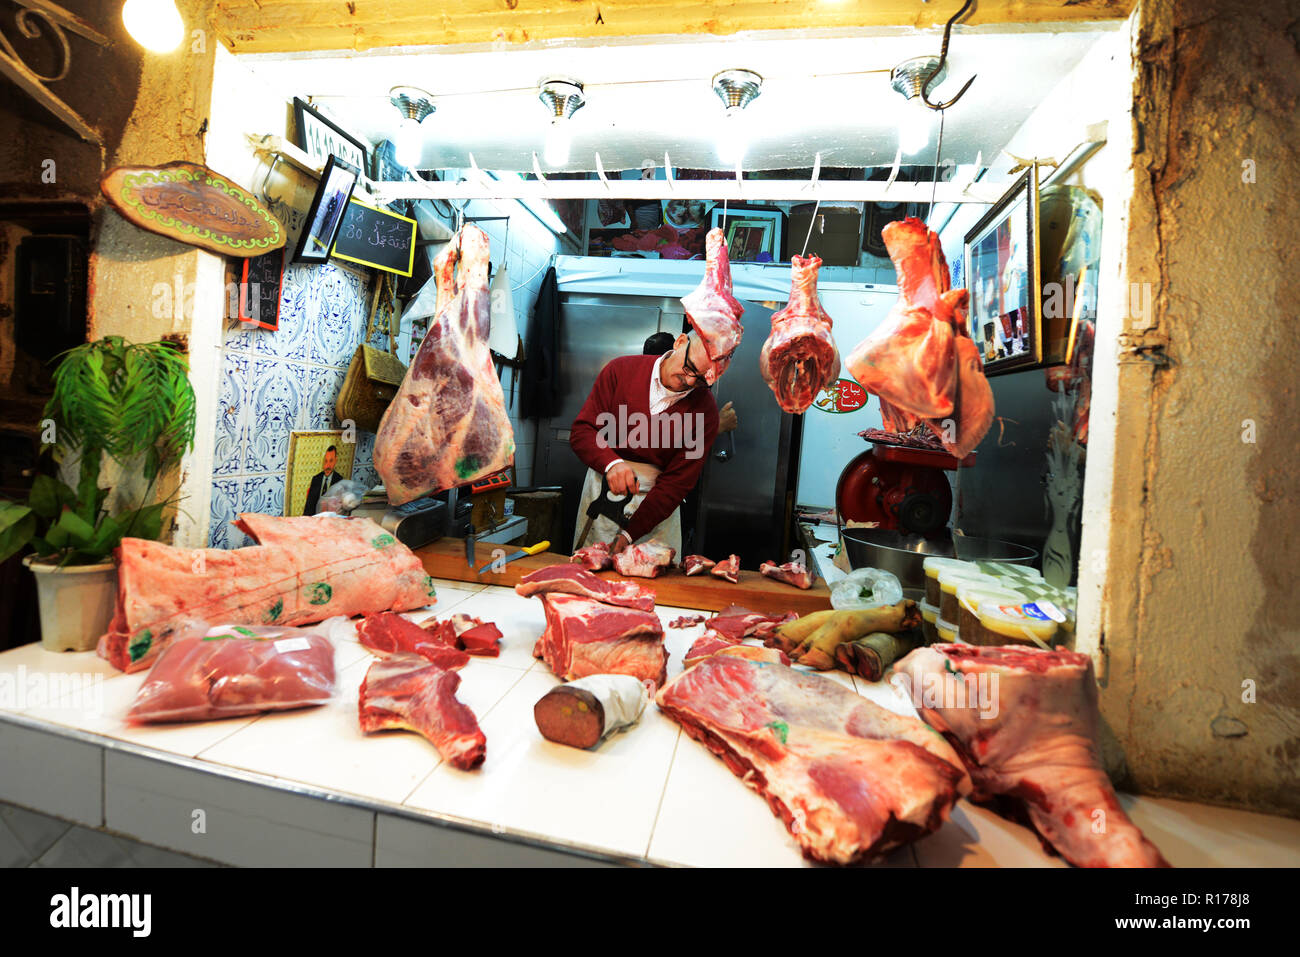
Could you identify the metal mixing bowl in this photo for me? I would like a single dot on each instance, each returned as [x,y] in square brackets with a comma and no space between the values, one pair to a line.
[905,555]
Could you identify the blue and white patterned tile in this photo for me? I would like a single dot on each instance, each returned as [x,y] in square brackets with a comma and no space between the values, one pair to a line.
[224,509]
[290,341]
[275,395]
[232,415]
[240,336]
[365,453]
[338,322]
[262,493]
[323,384]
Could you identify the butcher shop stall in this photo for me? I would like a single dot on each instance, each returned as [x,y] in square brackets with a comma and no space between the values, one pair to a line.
[798,440]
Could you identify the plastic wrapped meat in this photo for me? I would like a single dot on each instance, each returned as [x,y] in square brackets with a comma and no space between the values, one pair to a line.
[714,313]
[407,692]
[799,358]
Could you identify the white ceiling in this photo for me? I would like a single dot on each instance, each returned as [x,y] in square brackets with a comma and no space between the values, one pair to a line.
[643,100]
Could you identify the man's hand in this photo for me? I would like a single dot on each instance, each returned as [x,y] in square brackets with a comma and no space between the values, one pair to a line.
[622,480]
[727,420]
[618,544]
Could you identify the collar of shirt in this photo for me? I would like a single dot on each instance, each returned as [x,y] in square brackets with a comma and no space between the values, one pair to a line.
[660,397]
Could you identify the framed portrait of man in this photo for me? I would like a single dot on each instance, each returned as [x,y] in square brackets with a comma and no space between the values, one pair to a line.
[317,460]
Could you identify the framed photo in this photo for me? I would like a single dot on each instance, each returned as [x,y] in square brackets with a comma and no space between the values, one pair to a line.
[748,220]
[320,138]
[321,227]
[317,460]
[1002,274]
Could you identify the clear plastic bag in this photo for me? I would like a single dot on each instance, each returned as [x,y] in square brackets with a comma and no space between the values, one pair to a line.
[866,588]
[231,670]
[342,497]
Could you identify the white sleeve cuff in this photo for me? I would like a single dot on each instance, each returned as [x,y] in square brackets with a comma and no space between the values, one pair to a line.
[624,533]
[612,464]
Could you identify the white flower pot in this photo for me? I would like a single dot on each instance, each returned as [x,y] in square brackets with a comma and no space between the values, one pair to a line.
[76,603]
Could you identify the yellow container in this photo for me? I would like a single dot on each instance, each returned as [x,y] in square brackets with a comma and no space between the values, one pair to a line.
[1025,623]
[970,595]
[949,579]
[932,568]
[947,630]
[929,619]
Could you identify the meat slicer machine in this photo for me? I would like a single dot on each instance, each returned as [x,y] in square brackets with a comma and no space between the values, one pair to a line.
[899,487]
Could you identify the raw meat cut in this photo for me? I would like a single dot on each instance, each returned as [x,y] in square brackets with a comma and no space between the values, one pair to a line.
[849,779]
[226,671]
[583,712]
[697,564]
[714,313]
[730,569]
[713,643]
[735,623]
[585,637]
[408,692]
[304,569]
[799,358]
[1025,722]
[388,634]
[471,635]
[686,621]
[594,557]
[646,560]
[920,361]
[791,573]
[448,424]
[572,580]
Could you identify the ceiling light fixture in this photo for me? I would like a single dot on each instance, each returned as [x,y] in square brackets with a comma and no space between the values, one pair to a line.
[155,24]
[912,78]
[737,89]
[414,105]
[562,98]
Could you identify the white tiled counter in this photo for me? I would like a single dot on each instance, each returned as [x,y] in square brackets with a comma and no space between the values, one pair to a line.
[308,788]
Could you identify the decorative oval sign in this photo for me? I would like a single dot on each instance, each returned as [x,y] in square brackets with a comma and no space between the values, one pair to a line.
[842,395]
[192,204]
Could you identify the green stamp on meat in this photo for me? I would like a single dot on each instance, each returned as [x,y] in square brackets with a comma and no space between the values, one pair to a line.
[780,728]
[382,541]
[319,593]
[140,645]
[276,610]
[428,587]
[468,465]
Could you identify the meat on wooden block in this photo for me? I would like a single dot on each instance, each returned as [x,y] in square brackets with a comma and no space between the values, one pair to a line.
[594,557]
[585,637]
[390,634]
[572,579]
[697,564]
[730,569]
[850,780]
[408,692]
[799,358]
[714,313]
[1025,722]
[791,573]
[448,424]
[646,560]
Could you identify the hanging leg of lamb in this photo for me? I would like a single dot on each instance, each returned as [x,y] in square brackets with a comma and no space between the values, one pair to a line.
[585,637]
[594,557]
[408,692]
[730,569]
[849,779]
[799,358]
[714,313]
[572,580]
[1025,722]
[448,424]
[646,560]
[791,573]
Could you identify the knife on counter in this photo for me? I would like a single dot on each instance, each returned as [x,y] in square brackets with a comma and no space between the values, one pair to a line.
[530,550]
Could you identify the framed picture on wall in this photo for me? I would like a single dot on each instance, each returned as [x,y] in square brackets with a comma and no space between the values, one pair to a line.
[1000,266]
[747,224]
[321,228]
[317,460]
[321,138]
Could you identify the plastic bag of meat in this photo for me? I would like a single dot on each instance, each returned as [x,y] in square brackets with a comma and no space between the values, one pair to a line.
[231,670]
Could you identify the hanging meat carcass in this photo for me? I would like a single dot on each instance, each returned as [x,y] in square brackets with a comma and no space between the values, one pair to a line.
[799,358]
[448,424]
[714,313]
[921,362]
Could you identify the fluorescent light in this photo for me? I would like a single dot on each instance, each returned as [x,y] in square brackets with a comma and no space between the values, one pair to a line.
[544,213]
[155,24]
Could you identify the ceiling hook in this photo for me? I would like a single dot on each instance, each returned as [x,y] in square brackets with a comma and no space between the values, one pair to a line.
[943,58]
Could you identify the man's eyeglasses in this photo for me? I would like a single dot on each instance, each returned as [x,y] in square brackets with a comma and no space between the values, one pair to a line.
[688,368]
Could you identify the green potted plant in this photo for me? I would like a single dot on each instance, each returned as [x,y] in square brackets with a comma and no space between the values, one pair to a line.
[132,403]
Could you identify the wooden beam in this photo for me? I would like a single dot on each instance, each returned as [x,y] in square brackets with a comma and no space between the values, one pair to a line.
[288,26]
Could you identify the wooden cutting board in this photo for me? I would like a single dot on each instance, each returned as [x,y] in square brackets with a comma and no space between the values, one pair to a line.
[446,559]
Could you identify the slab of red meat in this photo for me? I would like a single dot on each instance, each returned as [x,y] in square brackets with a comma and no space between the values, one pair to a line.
[303,569]
[730,569]
[712,643]
[573,580]
[594,557]
[849,779]
[388,634]
[714,313]
[686,621]
[448,424]
[471,635]
[735,622]
[697,564]
[1025,722]
[791,573]
[406,691]
[646,560]
[585,637]
[799,358]
[201,676]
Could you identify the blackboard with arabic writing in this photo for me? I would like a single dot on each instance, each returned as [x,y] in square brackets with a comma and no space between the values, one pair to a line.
[376,237]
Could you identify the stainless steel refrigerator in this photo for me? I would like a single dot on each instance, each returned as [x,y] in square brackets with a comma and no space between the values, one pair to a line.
[747,491]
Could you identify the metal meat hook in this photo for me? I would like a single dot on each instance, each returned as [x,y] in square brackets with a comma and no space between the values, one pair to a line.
[943,58]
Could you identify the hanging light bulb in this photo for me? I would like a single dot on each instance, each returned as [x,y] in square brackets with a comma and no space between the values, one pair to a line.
[914,126]
[414,106]
[914,119]
[155,24]
[737,89]
[562,97]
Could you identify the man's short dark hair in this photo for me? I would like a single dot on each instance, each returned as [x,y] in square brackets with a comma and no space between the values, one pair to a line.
[658,344]
[332,449]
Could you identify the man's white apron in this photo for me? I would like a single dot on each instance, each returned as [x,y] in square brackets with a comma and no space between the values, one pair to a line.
[669,531]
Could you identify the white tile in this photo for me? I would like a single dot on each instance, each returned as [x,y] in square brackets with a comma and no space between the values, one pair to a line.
[13,852]
[403,842]
[83,847]
[242,823]
[976,837]
[51,774]
[31,677]
[604,799]
[1198,835]
[35,832]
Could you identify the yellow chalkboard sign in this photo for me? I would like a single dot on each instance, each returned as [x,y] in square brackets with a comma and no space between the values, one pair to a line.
[376,237]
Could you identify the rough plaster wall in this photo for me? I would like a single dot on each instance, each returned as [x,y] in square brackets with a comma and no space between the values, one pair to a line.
[1205,536]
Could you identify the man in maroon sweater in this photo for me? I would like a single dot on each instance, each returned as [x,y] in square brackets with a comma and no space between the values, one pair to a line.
[647,425]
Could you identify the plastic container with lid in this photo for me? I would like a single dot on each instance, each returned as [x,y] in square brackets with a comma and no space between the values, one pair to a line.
[933,566]
[947,630]
[929,619]
[949,579]
[972,594]
[1008,570]
[1027,623]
